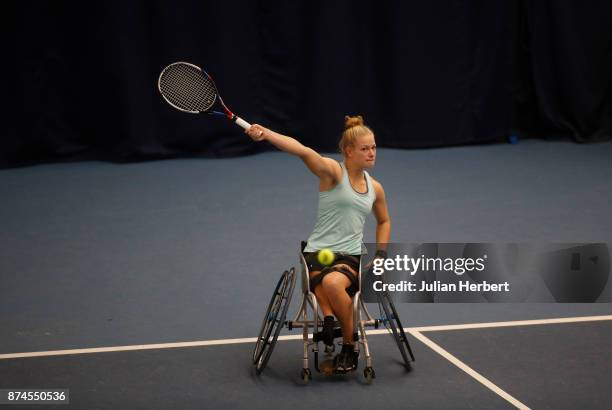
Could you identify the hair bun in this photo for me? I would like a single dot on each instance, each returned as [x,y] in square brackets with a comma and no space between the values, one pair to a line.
[350,122]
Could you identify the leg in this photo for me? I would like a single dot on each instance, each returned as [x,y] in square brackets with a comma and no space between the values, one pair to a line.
[324,303]
[326,308]
[334,285]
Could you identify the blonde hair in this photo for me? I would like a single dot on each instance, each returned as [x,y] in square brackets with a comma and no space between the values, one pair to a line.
[353,128]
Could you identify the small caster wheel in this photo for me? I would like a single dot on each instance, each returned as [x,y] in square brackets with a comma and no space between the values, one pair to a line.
[306,375]
[369,374]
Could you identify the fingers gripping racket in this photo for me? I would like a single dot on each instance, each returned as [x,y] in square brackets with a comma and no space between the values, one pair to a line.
[188,88]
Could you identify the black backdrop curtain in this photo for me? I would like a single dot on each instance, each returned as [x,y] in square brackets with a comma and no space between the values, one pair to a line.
[82,79]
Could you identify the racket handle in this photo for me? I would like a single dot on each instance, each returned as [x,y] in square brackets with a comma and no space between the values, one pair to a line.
[242,123]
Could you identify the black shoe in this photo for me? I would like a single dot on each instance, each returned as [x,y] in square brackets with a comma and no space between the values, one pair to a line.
[346,360]
[328,330]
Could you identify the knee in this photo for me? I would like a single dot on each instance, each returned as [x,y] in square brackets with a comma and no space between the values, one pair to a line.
[334,282]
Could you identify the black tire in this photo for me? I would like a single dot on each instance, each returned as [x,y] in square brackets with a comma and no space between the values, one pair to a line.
[273,320]
[392,321]
[271,313]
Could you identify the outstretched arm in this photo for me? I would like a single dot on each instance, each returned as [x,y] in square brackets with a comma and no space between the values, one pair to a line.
[324,168]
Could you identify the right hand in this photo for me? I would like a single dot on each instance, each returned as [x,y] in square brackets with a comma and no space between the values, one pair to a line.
[257,132]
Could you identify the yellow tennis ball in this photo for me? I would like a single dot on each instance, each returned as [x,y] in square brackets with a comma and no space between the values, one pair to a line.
[326,256]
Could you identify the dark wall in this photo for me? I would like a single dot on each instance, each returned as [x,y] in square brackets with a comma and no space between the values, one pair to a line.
[423,74]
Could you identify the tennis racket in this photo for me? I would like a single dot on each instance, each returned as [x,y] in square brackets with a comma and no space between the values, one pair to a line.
[190,89]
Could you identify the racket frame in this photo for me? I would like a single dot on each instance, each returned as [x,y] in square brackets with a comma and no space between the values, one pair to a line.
[227,113]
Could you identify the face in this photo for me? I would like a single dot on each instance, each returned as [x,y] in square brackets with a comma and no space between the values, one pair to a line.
[363,153]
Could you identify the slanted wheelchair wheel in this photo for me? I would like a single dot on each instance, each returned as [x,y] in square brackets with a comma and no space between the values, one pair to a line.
[273,320]
[391,321]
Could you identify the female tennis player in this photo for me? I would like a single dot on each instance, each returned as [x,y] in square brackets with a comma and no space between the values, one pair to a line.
[347,194]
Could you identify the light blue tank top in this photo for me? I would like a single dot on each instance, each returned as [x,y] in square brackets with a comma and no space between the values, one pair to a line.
[341,216]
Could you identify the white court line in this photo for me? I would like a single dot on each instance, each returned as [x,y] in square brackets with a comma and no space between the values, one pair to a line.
[175,345]
[416,332]
[128,348]
[291,337]
[480,378]
[512,323]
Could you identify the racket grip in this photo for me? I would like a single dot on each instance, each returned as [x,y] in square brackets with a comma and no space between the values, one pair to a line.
[242,123]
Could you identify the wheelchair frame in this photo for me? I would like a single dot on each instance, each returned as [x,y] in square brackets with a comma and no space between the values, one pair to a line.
[274,321]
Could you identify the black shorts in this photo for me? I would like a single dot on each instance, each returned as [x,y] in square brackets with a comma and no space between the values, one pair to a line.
[341,259]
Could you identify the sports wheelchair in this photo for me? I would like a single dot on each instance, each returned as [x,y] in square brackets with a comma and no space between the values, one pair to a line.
[309,317]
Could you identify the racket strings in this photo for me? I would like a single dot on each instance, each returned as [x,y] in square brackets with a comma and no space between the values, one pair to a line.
[187,88]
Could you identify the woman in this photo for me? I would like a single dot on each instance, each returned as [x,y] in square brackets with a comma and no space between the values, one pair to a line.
[347,194]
